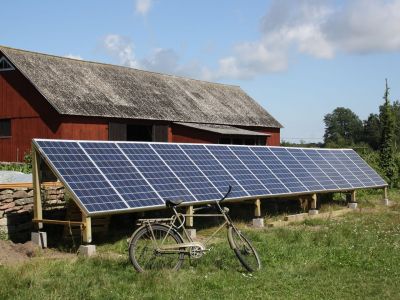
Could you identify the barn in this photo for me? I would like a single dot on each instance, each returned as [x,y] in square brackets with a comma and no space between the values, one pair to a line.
[46,96]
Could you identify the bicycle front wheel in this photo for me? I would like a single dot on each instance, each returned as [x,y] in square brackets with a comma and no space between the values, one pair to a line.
[144,249]
[244,250]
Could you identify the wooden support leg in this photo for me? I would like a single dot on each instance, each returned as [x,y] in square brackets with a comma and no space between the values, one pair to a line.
[385,196]
[353,200]
[313,210]
[189,223]
[87,229]
[189,220]
[258,221]
[257,209]
[37,196]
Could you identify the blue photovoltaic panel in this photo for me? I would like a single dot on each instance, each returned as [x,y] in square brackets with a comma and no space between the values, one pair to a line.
[156,171]
[125,176]
[297,169]
[82,176]
[260,170]
[313,169]
[365,167]
[238,170]
[213,169]
[354,169]
[121,173]
[340,167]
[327,168]
[279,169]
[188,173]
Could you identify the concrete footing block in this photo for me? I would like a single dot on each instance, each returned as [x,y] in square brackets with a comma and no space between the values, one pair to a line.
[385,202]
[87,250]
[192,233]
[353,205]
[39,238]
[313,212]
[258,222]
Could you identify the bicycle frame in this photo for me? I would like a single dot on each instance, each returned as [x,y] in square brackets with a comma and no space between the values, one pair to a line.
[172,226]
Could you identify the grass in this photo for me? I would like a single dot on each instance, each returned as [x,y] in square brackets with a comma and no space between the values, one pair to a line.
[353,257]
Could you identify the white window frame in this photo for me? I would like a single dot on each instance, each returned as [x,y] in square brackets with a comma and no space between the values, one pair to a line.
[10,68]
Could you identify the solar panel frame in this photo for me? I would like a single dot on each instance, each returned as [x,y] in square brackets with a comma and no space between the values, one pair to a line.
[36,146]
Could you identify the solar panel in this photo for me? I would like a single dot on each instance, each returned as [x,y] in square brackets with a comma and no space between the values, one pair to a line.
[110,177]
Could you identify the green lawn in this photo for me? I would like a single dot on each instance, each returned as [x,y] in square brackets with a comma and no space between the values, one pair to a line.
[356,256]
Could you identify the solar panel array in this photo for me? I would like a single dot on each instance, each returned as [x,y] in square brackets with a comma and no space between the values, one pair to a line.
[121,176]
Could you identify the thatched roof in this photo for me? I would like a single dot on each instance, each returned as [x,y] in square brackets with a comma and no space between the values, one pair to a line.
[83,88]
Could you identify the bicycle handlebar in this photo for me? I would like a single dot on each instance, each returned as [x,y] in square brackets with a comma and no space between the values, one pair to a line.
[226,195]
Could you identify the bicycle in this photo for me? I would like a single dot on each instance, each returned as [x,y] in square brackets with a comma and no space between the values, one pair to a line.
[157,243]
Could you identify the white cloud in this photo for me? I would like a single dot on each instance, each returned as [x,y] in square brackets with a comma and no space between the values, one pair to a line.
[159,60]
[143,6]
[317,28]
[73,56]
[122,48]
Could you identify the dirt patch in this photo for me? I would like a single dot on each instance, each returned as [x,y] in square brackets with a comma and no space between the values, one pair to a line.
[11,253]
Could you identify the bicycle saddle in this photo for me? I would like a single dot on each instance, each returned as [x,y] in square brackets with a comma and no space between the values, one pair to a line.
[172,203]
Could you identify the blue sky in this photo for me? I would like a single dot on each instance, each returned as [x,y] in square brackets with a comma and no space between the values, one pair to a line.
[298,58]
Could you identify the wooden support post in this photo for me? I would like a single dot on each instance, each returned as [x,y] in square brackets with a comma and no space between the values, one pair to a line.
[353,200]
[37,195]
[314,201]
[385,196]
[385,193]
[353,196]
[87,229]
[257,209]
[313,210]
[189,220]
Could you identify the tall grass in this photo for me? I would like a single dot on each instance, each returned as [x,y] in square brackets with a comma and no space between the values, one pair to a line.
[354,257]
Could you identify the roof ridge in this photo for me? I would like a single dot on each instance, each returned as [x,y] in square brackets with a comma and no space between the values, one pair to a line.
[118,66]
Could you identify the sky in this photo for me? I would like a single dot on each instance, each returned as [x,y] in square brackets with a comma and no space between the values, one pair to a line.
[299,59]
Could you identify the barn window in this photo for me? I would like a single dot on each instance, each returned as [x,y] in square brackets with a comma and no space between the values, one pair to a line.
[5,128]
[5,65]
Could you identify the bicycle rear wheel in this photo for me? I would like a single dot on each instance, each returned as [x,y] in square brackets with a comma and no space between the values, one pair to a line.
[244,250]
[144,245]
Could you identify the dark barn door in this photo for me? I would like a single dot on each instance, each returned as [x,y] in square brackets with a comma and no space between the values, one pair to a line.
[117,131]
[160,133]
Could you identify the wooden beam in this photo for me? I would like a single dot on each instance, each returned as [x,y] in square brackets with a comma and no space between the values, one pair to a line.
[314,201]
[189,220]
[58,222]
[385,193]
[29,185]
[87,229]
[37,195]
[257,209]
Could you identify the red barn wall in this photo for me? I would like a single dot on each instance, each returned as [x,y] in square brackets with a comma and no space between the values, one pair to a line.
[182,134]
[26,122]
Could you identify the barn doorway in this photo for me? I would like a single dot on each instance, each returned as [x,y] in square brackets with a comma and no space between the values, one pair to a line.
[142,133]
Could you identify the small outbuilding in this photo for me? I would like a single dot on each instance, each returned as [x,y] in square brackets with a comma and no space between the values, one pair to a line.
[46,96]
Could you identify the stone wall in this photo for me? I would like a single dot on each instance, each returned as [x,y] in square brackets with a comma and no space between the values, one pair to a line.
[16,210]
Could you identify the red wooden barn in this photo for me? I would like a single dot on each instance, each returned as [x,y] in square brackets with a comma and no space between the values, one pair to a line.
[45,96]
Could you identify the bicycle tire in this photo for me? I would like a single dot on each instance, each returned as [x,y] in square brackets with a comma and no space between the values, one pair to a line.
[142,239]
[244,250]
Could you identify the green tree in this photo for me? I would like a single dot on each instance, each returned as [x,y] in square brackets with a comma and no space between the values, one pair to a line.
[342,128]
[386,151]
[372,131]
[396,114]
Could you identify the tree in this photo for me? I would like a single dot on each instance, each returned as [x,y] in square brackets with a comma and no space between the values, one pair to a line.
[396,114]
[342,128]
[372,131]
[386,152]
